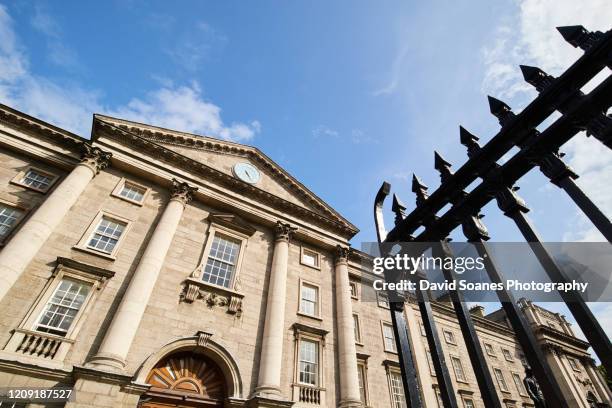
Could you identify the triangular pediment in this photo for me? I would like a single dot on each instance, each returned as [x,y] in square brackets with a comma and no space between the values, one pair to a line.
[223,156]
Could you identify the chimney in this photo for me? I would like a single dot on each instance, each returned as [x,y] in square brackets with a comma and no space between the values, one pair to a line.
[477,311]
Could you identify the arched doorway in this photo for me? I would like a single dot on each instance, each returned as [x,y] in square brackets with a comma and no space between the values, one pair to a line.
[185,379]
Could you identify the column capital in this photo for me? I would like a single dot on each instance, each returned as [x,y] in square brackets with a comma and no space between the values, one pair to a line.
[94,158]
[342,254]
[182,192]
[283,231]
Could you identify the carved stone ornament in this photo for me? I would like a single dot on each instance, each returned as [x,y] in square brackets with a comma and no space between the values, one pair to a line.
[342,254]
[94,157]
[283,231]
[203,337]
[182,191]
[212,296]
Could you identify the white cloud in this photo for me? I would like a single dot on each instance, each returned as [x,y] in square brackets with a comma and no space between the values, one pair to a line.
[395,73]
[70,105]
[184,108]
[324,131]
[530,38]
[358,136]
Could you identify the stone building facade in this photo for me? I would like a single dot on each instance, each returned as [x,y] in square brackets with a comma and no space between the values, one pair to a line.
[154,268]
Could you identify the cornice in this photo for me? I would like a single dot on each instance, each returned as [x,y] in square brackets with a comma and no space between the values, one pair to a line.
[563,338]
[180,161]
[57,374]
[204,143]
[15,118]
[80,266]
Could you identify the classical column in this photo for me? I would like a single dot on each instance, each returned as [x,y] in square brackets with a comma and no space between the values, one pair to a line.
[347,352]
[23,247]
[270,364]
[120,335]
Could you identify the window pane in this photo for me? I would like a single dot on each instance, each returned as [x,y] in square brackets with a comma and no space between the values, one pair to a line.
[132,192]
[63,306]
[357,329]
[221,262]
[8,218]
[458,367]
[397,391]
[519,384]
[388,337]
[310,258]
[362,384]
[500,379]
[309,362]
[106,235]
[309,295]
[36,179]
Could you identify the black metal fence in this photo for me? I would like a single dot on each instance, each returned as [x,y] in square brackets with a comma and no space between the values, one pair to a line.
[579,112]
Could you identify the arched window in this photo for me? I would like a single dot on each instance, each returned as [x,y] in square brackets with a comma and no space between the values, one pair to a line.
[185,379]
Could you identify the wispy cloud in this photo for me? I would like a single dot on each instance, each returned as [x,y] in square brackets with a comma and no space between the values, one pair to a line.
[323,131]
[191,46]
[57,51]
[70,105]
[359,136]
[530,38]
[395,73]
[355,136]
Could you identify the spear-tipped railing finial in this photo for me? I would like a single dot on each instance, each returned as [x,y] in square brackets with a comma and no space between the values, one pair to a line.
[420,189]
[500,110]
[580,37]
[442,166]
[398,208]
[536,77]
[469,140]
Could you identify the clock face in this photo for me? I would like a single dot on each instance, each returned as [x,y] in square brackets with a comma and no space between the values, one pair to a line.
[247,172]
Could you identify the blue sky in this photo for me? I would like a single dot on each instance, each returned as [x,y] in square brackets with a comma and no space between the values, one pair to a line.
[343,94]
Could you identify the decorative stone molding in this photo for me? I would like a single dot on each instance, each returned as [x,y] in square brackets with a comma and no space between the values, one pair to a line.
[299,328]
[94,157]
[131,136]
[233,222]
[203,337]
[213,296]
[283,231]
[204,143]
[182,191]
[342,254]
[60,136]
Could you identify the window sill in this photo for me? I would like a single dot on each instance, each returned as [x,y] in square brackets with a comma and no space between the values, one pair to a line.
[358,343]
[96,253]
[318,268]
[138,203]
[391,352]
[309,316]
[38,190]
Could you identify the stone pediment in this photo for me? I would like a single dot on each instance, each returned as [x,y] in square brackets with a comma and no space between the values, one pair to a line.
[222,156]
